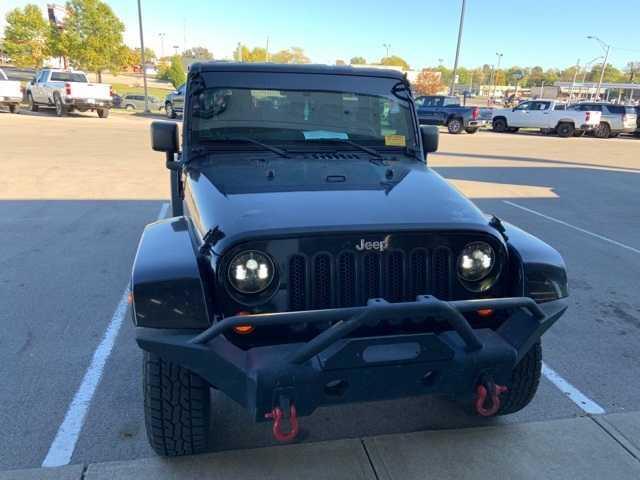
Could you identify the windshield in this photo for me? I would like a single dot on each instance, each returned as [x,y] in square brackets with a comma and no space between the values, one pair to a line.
[301,118]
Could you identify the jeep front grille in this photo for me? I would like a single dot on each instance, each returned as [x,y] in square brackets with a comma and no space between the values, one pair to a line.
[351,278]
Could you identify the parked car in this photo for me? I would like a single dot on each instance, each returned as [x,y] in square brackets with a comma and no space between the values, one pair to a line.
[442,110]
[615,119]
[544,115]
[174,102]
[10,93]
[66,91]
[134,101]
[312,258]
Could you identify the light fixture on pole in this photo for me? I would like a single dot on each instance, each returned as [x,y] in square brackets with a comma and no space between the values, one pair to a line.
[607,48]
[495,76]
[162,35]
[455,64]
[142,60]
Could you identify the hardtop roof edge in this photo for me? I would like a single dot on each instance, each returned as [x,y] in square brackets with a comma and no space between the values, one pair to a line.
[221,66]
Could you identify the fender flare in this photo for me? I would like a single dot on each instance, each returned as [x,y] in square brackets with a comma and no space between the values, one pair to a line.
[542,273]
[166,283]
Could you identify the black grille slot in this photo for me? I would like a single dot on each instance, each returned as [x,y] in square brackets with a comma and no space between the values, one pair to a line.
[442,273]
[371,276]
[395,277]
[346,279]
[419,273]
[297,283]
[335,156]
[350,278]
[322,281]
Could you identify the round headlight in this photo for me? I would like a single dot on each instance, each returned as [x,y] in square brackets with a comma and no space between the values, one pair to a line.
[251,272]
[475,261]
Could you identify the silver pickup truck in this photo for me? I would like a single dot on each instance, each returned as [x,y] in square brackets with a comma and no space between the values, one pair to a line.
[66,91]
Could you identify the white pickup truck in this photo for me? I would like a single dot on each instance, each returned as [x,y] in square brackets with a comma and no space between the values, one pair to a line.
[548,116]
[68,90]
[10,93]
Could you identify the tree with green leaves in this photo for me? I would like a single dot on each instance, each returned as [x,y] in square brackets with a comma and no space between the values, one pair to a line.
[358,61]
[198,53]
[92,36]
[26,36]
[395,60]
[174,73]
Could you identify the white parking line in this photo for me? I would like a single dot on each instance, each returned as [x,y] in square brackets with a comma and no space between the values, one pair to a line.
[587,232]
[575,395]
[64,443]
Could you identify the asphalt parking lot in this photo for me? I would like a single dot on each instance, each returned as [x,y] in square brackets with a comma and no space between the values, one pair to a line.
[77,191]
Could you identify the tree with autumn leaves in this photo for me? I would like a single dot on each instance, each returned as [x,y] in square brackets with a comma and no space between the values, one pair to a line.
[428,83]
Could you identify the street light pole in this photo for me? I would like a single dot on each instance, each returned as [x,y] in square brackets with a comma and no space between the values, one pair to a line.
[455,64]
[144,64]
[495,76]
[162,35]
[387,46]
[607,48]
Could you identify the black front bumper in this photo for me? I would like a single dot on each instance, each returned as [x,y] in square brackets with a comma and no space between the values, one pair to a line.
[334,368]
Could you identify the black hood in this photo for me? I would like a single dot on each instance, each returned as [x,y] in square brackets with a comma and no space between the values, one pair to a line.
[251,198]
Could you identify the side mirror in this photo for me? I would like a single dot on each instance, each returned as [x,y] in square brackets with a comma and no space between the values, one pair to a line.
[430,138]
[164,137]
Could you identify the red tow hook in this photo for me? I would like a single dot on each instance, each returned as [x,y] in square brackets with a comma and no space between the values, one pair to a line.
[277,416]
[488,390]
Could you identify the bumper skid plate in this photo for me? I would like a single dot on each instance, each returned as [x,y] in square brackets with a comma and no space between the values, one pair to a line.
[334,368]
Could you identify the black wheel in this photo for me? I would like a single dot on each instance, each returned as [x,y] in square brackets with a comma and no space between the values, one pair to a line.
[168,110]
[176,408]
[602,131]
[471,131]
[524,382]
[579,133]
[455,126]
[32,105]
[103,112]
[565,129]
[13,108]
[499,125]
[57,101]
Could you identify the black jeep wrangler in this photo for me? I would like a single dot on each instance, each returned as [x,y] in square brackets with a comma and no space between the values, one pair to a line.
[313,258]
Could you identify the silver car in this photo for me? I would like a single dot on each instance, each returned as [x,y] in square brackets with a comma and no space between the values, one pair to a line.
[134,101]
[616,119]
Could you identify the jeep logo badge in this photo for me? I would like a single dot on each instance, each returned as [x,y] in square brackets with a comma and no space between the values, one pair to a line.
[379,246]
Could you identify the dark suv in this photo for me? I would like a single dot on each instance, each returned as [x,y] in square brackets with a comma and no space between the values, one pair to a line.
[313,258]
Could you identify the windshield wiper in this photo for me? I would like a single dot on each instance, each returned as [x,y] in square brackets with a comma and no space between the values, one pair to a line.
[363,148]
[279,151]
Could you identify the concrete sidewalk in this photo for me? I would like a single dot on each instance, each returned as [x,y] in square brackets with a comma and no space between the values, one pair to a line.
[586,447]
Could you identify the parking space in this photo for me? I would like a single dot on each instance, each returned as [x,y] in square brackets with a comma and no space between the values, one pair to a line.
[77,192]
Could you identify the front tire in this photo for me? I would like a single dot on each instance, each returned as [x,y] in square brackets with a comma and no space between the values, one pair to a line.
[103,112]
[32,105]
[524,382]
[13,108]
[455,126]
[565,130]
[499,125]
[169,112]
[176,408]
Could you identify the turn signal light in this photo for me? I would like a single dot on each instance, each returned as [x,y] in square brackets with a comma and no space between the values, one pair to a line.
[485,312]
[243,329]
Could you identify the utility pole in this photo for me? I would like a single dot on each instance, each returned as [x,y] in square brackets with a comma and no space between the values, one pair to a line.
[144,64]
[455,64]
[607,48]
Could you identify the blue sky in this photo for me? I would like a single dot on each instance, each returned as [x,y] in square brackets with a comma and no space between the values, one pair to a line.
[550,33]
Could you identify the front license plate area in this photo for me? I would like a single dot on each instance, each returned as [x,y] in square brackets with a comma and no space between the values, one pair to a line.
[369,351]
